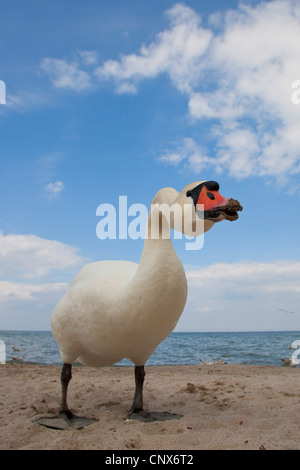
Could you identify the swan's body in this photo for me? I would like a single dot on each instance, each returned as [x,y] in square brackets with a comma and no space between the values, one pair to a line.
[118,309]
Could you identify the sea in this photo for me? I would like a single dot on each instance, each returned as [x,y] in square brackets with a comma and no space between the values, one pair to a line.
[256,348]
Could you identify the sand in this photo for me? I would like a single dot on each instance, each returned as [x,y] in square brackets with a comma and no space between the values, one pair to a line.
[224,406]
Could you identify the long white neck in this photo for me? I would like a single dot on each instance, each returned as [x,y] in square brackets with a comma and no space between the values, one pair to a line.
[159,287]
[166,196]
[159,258]
[157,237]
[158,226]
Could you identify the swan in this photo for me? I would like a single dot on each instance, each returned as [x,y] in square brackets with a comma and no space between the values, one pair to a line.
[119,309]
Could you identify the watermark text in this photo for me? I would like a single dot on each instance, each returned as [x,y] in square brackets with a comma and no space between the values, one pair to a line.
[296,94]
[2,92]
[2,352]
[135,222]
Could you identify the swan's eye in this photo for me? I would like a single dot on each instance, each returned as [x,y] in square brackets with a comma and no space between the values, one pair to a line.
[188,193]
[210,195]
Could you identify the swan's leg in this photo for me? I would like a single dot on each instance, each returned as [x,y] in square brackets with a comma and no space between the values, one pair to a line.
[137,411]
[65,418]
[66,375]
[139,374]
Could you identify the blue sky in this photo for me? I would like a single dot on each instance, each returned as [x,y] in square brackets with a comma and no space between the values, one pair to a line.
[105,99]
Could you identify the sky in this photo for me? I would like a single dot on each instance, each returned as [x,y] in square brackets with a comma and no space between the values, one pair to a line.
[107,99]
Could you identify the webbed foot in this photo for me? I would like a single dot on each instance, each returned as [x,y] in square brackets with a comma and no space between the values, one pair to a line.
[149,417]
[65,420]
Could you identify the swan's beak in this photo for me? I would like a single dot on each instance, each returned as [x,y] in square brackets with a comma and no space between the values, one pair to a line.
[222,208]
[211,205]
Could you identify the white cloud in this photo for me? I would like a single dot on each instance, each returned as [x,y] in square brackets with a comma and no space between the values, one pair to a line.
[236,153]
[53,190]
[30,256]
[28,304]
[243,276]
[243,296]
[190,154]
[28,292]
[23,99]
[252,66]
[64,74]
[237,72]
[75,75]
[88,57]
[175,51]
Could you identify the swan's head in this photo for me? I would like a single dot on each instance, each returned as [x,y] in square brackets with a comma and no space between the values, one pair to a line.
[193,211]
[207,206]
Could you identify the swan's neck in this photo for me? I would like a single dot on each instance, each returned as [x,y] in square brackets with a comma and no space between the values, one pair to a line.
[160,284]
[158,225]
[159,255]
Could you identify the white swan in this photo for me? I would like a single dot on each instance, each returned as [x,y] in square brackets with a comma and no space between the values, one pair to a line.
[118,309]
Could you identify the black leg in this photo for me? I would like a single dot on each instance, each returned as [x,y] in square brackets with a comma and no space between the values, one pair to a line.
[139,373]
[137,411]
[66,375]
[65,418]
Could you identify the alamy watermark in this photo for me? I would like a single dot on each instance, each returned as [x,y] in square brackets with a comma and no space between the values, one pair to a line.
[296,94]
[2,92]
[135,222]
[295,359]
[2,352]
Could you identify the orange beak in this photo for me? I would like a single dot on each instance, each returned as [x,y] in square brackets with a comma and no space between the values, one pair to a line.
[217,207]
[211,199]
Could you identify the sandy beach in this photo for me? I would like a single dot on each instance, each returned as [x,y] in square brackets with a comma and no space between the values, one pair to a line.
[224,406]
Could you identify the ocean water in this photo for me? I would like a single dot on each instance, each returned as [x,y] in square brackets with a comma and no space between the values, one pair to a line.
[260,348]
